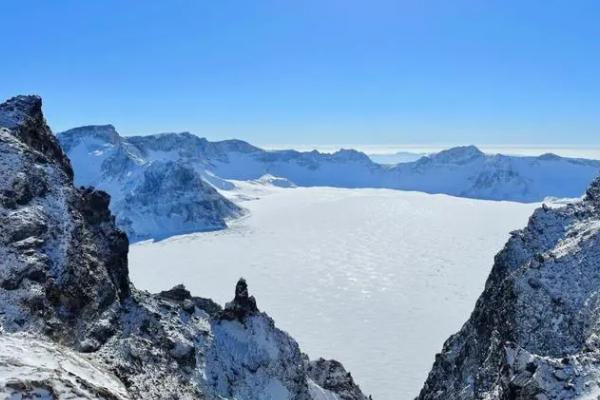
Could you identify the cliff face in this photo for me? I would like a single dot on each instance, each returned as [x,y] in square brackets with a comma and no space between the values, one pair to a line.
[71,323]
[64,265]
[535,330]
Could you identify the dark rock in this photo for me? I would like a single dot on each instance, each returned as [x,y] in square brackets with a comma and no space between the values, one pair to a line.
[242,306]
[534,283]
[331,375]
[26,187]
[207,305]
[94,205]
[8,199]
[177,293]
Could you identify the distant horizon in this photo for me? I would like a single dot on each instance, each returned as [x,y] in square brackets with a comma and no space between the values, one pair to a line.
[316,146]
[571,151]
[382,149]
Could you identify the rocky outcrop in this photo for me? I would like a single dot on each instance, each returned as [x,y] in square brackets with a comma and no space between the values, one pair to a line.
[242,306]
[22,115]
[534,333]
[73,326]
[64,264]
[331,375]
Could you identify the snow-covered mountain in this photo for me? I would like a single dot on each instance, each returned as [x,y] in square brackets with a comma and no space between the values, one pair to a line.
[73,326]
[468,172]
[155,193]
[164,184]
[535,332]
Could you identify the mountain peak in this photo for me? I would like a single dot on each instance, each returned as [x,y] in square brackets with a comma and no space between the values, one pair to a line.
[22,116]
[106,133]
[351,154]
[16,110]
[458,155]
[549,156]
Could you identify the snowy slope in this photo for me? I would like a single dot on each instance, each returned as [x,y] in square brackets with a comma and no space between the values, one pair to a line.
[48,371]
[73,326]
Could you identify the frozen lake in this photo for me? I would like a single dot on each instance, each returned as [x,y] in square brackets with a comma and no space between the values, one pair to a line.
[376,279]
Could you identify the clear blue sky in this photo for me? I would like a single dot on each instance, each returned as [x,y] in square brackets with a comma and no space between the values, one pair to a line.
[313,71]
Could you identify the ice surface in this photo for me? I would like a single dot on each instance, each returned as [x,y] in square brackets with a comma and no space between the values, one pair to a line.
[375,278]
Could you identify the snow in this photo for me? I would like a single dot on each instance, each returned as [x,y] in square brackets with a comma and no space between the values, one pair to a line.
[318,393]
[32,368]
[375,278]
[88,155]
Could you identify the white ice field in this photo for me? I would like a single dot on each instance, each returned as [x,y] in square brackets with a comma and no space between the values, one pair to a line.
[376,279]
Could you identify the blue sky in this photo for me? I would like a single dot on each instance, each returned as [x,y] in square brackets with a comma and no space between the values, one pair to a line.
[313,71]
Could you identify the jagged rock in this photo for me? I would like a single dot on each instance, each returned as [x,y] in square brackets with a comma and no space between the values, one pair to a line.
[72,325]
[535,329]
[188,302]
[22,115]
[207,305]
[58,263]
[331,375]
[94,205]
[24,188]
[177,293]
[242,305]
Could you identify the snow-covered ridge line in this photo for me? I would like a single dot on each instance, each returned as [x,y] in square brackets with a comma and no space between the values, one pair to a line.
[65,292]
[460,171]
